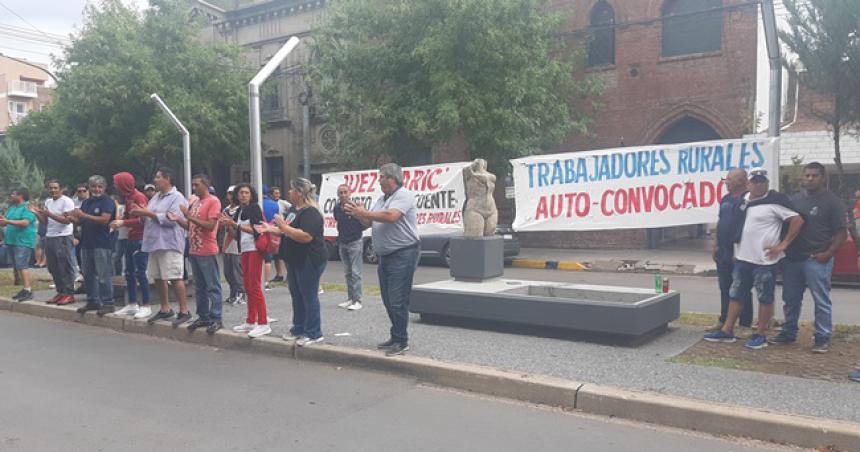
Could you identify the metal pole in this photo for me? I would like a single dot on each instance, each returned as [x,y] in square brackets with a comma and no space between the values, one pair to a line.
[306,139]
[254,113]
[186,141]
[775,58]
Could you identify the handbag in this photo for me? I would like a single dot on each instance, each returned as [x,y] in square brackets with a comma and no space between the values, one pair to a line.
[268,242]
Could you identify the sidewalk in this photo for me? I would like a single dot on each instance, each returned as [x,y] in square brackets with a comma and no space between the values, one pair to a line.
[644,368]
[669,261]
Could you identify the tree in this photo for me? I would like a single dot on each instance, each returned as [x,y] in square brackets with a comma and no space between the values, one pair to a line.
[823,34]
[486,77]
[102,116]
[16,171]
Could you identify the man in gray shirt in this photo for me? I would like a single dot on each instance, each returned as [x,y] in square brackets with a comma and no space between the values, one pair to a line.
[395,239]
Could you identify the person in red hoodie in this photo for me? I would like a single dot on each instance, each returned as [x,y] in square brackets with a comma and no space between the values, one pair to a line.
[135,259]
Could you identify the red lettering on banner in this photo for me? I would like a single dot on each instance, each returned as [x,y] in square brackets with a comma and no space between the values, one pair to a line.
[661,192]
[603,209]
[674,204]
[564,204]
[421,180]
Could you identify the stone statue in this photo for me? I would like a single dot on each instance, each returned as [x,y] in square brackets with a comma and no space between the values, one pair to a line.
[479,214]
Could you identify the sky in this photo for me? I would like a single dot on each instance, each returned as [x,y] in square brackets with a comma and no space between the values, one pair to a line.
[59,17]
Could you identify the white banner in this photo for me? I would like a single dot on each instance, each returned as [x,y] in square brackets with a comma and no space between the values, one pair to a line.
[439,195]
[628,188]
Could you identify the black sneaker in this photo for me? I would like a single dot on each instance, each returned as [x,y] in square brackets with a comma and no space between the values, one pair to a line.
[399,348]
[387,344]
[181,318]
[821,346]
[25,295]
[198,323]
[105,309]
[214,326]
[782,339]
[88,307]
[160,315]
[18,295]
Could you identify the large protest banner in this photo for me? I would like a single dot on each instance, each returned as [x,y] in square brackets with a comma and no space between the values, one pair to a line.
[626,188]
[439,194]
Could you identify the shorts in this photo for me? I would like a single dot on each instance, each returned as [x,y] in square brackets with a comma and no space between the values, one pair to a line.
[20,256]
[166,265]
[745,276]
[269,257]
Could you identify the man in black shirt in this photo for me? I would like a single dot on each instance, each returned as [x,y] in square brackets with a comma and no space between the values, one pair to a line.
[809,259]
[350,245]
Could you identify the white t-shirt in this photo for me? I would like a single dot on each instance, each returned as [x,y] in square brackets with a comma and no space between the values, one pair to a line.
[762,227]
[248,242]
[59,206]
[122,232]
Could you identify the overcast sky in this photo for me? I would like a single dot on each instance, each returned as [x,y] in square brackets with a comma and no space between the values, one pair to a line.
[50,16]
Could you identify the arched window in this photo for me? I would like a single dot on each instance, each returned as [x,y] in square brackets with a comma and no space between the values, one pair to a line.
[601,35]
[688,130]
[692,26]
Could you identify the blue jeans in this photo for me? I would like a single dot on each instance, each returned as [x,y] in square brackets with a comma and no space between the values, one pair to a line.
[798,276]
[350,256]
[135,271]
[395,272]
[207,287]
[98,275]
[304,284]
[725,267]
[746,276]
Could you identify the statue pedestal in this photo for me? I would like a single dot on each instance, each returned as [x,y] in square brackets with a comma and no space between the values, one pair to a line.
[477,258]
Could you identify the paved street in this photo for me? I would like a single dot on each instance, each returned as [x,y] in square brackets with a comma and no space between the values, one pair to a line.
[698,294]
[72,387]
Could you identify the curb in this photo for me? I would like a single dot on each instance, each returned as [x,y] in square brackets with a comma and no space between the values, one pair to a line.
[613,266]
[549,264]
[673,411]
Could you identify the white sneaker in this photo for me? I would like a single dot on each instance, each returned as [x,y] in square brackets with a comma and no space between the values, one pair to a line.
[289,337]
[266,287]
[144,312]
[260,330]
[52,286]
[321,291]
[241,299]
[345,304]
[355,306]
[244,328]
[305,341]
[271,319]
[129,309]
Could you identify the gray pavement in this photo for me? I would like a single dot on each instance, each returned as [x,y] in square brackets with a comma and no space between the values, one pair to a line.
[71,387]
[643,368]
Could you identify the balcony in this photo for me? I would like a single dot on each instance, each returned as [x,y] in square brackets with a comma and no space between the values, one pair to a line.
[18,88]
[17,117]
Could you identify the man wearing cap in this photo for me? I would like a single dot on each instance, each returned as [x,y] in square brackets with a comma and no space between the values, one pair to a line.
[809,259]
[149,190]
[270,209]
[758,248]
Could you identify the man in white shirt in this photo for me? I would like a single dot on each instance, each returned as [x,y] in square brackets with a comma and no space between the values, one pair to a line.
[58,242]
[758,248]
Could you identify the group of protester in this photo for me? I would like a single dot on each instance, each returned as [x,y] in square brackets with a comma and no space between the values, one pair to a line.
[761,231]
[153,230]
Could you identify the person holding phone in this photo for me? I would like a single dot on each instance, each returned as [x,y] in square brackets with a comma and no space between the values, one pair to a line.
[303,249]
[242,225]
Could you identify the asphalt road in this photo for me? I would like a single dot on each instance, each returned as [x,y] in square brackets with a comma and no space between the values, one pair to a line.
[70,387]
[698,294]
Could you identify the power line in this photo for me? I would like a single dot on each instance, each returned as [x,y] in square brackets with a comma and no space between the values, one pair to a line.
[28,35]
[13,49]
[24,30]
[24,20]
[27,39]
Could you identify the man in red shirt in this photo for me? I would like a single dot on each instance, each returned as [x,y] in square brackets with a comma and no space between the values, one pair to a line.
[201,221]
[135,259]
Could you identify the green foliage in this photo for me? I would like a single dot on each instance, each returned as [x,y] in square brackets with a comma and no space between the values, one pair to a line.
[102,119]
[16,171]
[400,76]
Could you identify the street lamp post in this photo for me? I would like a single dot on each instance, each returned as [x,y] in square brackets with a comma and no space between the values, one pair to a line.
[186,141]
[254,112]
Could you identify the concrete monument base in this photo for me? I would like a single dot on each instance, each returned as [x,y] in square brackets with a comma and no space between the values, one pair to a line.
[627,314]
[477,258]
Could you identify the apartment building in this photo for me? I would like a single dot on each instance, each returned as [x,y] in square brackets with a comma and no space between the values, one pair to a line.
[23,89]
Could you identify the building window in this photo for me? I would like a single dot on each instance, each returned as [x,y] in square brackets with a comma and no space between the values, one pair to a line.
[692,26]
[601,35]
[275,171]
